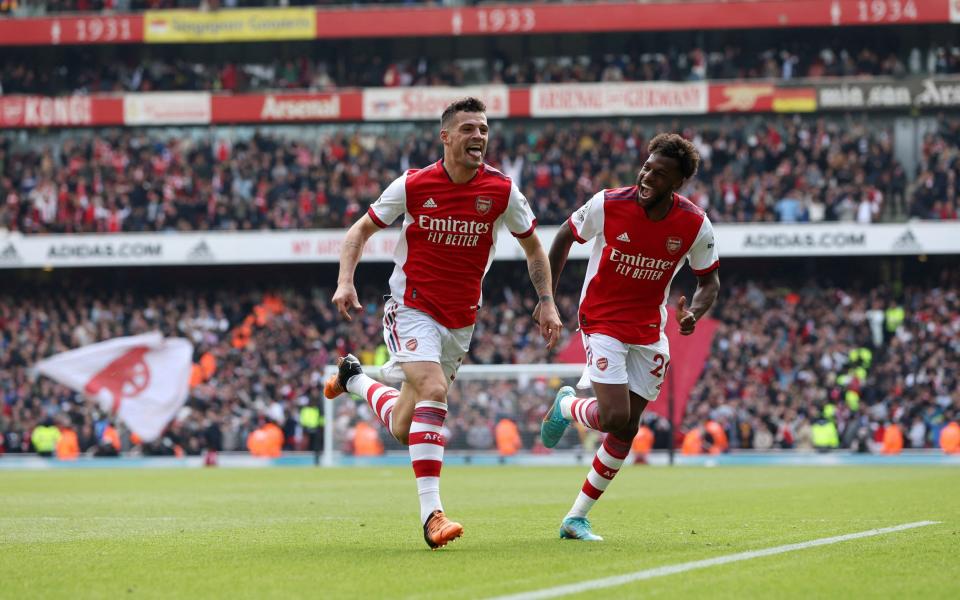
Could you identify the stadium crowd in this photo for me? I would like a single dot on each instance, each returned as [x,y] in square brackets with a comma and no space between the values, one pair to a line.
[83,71]
[786,170]
[784,358]
[265,367]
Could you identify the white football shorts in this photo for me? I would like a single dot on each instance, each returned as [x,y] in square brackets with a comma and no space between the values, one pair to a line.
[609,360]
[412,335]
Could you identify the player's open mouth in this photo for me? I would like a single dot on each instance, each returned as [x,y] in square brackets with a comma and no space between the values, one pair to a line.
[475,151]
[646,192]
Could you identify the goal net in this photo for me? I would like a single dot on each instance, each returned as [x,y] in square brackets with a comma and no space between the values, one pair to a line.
[494,412]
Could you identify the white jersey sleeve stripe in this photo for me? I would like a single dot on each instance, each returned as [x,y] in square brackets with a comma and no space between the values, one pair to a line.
[576,235]
[518,217]
[587,221]
[703,255]
[391,204]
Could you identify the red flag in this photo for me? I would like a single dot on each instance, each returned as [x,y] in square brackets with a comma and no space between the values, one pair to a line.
[688,357]
[143,379]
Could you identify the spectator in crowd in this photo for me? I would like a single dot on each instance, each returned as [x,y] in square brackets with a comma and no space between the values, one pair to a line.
[785,169]
[783,356]
[935,192]
[326,67]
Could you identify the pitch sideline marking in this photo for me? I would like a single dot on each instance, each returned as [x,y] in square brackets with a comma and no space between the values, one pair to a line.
[616,580]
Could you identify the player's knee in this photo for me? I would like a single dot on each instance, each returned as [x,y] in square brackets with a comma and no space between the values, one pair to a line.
[627,433]
[435,392]
[401,433]
[614,420]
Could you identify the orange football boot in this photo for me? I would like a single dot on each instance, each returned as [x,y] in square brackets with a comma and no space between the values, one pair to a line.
[439,530]
[337,384]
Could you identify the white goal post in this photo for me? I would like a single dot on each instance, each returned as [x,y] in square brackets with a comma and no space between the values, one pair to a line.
[520,374]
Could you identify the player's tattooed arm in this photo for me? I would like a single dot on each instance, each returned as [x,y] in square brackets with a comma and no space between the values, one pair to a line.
[538,267]
[545,312]
[540,276]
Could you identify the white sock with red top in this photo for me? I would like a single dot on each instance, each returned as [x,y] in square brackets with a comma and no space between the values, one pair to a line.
[585,411]
[380,397]
[606,464]
[426,453]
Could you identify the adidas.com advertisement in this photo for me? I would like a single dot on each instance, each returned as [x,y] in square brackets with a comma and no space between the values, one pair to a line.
[837,239]
[318,246]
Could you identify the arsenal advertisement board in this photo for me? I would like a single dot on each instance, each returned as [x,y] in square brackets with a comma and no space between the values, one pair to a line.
[286,108]
[761,97]
[427,103]
[921,93]
[63,111]
[167,108]
[613,99]
[930,93]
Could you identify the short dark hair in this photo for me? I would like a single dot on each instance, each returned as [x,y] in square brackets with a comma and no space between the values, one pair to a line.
[462,105]
[679,149]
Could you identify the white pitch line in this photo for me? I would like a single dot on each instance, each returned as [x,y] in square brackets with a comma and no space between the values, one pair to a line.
[606,582]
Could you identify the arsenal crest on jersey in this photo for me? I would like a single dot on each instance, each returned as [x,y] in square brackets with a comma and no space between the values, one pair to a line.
[483,204]
[674,244]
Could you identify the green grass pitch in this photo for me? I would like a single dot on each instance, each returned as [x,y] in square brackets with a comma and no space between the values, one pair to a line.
[355,533]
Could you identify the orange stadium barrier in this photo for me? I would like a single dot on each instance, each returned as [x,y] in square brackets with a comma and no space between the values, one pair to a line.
[892,440]
[366,440]
[950,438]
[508,437]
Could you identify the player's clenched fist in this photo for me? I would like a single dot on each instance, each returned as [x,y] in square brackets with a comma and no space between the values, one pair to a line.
[687,321]
[345,299]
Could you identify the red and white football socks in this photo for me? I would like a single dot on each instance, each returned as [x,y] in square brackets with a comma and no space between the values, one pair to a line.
[426,453]
[585,411]
[380,397]
[606,464]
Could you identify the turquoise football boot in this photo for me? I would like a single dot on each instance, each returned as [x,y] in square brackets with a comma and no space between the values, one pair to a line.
[554,423]
[578,528]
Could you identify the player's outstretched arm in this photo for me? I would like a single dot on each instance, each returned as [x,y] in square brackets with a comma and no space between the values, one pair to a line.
[345,298]
[708,287]
[559,251]
[546,312]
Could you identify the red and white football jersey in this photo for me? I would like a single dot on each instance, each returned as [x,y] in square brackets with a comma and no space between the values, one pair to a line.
[634,260]
[449,237]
